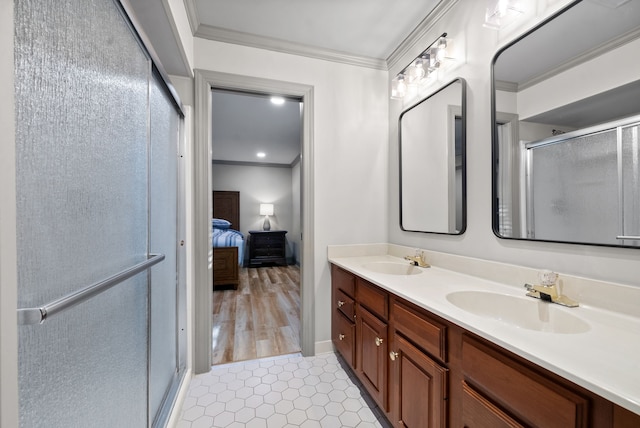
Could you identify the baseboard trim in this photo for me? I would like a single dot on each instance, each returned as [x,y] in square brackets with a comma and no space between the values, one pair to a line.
[324,347]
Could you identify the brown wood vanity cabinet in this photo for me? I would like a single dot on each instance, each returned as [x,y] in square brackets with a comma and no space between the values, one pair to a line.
[406,382]
[426,372]
[343,314]
[497,387]
[418,375]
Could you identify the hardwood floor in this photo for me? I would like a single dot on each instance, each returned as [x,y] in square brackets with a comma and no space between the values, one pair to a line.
[260,319]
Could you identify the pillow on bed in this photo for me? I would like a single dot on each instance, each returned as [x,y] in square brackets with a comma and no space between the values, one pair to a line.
[219,223]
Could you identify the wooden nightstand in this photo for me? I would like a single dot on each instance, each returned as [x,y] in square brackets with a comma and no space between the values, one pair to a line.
[267,246]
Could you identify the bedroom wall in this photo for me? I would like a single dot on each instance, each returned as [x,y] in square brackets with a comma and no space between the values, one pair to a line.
[464,24]
[259,184]
[349,144]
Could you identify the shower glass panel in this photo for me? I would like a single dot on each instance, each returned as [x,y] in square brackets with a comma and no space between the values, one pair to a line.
[164,369]
[82,205]
[630,183]
[573,189]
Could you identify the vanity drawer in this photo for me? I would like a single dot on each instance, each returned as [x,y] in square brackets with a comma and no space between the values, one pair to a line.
[418,327]
[345,304]
[344,333]
[525,394]
[373,298]
[343,280]
[478,412]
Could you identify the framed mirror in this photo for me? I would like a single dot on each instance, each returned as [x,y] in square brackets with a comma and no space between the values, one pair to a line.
[432,162]
[566,127]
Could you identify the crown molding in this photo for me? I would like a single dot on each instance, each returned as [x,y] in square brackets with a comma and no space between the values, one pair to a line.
[502,85]
[278,45]
[420,31]
[192,15]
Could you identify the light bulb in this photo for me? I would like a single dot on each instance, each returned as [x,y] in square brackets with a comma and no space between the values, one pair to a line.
[402,87]
[398,87]
[502,8]
[417,70]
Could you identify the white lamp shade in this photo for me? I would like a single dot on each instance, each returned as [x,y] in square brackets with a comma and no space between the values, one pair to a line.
[266,209]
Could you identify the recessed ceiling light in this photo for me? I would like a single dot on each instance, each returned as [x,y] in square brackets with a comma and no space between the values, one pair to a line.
[277,100]
[261,154]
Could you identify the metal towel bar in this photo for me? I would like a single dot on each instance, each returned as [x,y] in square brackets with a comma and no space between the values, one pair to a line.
[635,238]
[42,313]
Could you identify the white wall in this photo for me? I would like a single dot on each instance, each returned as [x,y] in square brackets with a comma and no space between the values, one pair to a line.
[349,148]
[464,24]
[259,184]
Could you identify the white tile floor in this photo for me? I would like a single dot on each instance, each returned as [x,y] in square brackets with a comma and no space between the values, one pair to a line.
[279,392]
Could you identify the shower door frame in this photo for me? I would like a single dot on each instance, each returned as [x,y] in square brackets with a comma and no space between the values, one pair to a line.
[8,247]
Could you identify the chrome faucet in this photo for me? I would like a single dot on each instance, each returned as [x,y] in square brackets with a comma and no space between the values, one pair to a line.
[549,291]
[418,259]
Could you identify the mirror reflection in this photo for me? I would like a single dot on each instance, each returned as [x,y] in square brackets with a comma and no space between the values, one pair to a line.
[432,162]
[566,109]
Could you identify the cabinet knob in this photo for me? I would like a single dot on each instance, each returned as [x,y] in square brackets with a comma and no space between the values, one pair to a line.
[393,355]
[340,303]
[379,341]
[341,336]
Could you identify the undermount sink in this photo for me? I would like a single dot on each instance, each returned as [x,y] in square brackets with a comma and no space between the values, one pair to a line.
[393,268]
[521,312]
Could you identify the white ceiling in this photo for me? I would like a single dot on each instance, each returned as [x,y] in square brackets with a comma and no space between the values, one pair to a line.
[570,36]
[245,124]
[366,29]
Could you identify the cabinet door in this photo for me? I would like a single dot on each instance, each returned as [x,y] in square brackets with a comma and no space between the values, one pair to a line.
[419,387]
[343,332]
[478,412]
[372,355]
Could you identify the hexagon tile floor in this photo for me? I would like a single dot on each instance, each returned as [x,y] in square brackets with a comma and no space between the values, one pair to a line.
[279,392]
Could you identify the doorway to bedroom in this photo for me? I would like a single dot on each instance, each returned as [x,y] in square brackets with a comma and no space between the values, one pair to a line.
[256,181]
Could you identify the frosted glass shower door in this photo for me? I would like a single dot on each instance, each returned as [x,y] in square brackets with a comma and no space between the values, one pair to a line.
[573,189]
[165,367]
[630,184]
[82,210]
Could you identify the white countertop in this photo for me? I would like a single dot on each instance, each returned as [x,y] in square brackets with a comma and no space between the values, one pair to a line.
[605,359]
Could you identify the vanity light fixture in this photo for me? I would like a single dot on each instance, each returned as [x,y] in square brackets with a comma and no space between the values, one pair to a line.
[266,210]
[421,69]
[501,13]
[261,154]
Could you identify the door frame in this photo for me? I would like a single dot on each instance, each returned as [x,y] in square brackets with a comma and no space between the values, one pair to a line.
[205,81]
[8,243]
